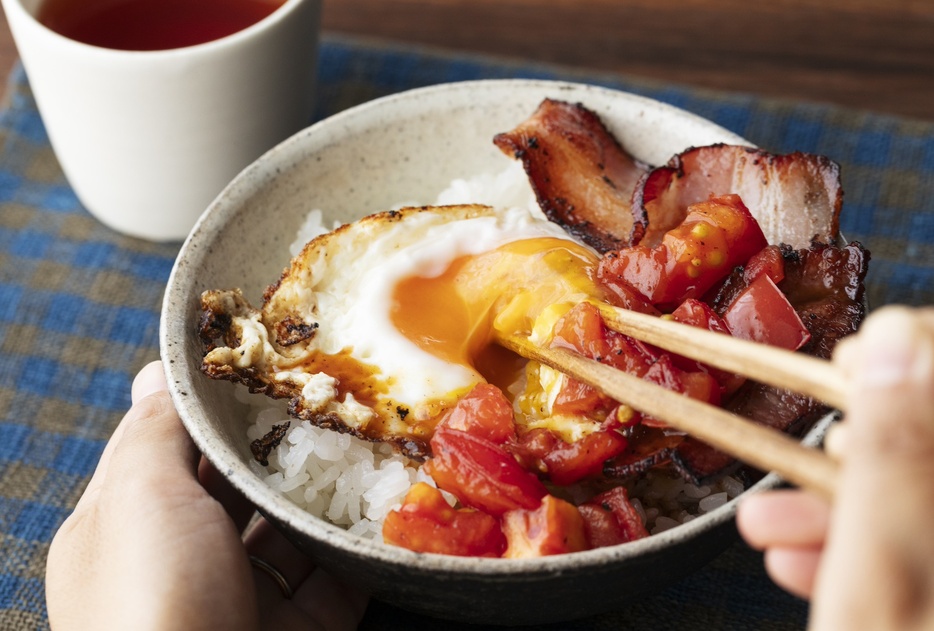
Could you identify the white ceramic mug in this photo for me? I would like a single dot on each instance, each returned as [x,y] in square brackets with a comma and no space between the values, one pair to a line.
[148,139]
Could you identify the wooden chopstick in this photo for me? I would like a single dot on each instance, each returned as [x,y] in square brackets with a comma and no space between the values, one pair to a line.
[773,366]
[757,445]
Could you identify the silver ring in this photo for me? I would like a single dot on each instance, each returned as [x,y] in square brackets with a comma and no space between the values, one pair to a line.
[275,574]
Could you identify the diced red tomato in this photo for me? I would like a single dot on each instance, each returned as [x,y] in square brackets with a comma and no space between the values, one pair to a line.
[697,385]
[610,518]
[483,412]
[643,269]
[426,523]
[762,313]
[565,463]
[768,261]
[600,526]
[582,330]
[555,527]
[700,386]
[577,398]
[631,355]
[696,313]
[531,448]
[481,474]
[699,314]
[715,236]
[622,295]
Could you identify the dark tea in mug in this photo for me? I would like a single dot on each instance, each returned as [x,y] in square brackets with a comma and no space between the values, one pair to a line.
[151,24]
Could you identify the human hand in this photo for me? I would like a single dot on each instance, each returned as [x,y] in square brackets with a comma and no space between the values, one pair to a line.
[867,562]
[155,543]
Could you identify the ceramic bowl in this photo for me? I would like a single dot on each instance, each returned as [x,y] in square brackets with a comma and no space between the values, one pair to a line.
[409,147]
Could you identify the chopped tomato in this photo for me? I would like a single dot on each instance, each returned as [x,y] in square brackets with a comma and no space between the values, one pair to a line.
[631,355]
[697,385]
[426,523]
[531,448]
[565,463]
[715,236]
[643,269]
[619,294]
[555,527]
[697,313]
[609,519]
[762,313]
[483,412]
[600,526]
[582,330]
[700,386]
[768,261]
[481,474]
[577,398]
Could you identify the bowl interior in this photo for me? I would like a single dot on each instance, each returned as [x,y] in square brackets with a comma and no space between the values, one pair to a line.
[404,148]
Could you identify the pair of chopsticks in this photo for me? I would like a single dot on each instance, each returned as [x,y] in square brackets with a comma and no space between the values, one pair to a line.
[757,445]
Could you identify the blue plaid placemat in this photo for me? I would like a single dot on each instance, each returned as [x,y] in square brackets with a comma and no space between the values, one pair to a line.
[79,309]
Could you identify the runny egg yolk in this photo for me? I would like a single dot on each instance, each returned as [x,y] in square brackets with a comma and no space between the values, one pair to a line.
[456,315]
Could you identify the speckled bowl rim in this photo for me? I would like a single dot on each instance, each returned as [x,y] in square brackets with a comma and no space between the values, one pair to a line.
[270,502]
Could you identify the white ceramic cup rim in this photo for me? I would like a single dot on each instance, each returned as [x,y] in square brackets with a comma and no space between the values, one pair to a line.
[208,47]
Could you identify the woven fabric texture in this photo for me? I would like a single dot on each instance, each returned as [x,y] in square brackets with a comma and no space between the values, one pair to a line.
[79,309]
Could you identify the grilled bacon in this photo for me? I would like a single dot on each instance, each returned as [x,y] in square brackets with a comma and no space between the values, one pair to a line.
[825,285]
[581,175]
[796,198]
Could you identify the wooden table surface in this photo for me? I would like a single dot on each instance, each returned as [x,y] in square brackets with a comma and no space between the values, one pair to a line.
[867,54]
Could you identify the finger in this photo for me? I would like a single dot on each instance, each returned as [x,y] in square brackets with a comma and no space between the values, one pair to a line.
[892,395]
[835,441]
[149,380]
[239,508]
[793,569]
[783,519]
[886,488]
[154,440]
[331,603]
[266,543]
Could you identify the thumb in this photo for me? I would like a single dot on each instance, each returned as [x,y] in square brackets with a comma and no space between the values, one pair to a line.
[154,446]
[149,380]
[151,445]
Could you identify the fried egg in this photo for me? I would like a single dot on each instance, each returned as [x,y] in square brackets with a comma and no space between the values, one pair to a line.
[379,326]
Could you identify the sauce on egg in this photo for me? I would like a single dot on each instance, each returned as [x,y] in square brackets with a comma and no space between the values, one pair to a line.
[454,316]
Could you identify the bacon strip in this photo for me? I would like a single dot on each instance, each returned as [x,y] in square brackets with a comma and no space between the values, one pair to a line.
[581,175]
[825,286]
[796,198]
[647,448]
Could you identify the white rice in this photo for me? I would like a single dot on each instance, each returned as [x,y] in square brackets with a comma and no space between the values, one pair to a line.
[337,477]
[355,483]
[665,500]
